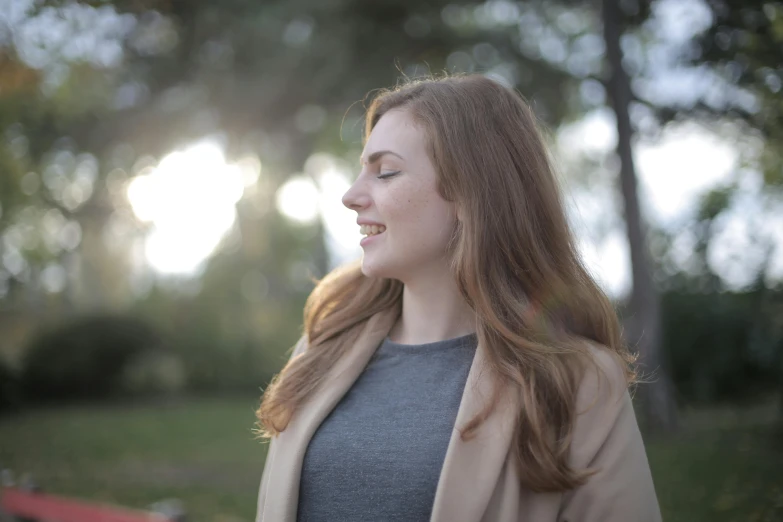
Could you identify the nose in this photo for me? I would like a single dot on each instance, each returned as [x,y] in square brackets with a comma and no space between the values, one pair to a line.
[356,197]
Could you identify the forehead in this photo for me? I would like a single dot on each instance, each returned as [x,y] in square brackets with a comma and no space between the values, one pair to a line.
[396,131]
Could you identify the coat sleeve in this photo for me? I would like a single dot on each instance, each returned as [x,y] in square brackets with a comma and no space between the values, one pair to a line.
[607,438]
[300,347]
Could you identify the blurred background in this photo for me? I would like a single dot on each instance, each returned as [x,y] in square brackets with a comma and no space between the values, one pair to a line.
[170,183]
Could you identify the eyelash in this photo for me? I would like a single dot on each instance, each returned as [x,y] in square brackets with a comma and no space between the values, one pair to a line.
[388,174]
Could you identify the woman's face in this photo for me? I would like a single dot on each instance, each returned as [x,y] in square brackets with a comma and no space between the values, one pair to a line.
[396,189]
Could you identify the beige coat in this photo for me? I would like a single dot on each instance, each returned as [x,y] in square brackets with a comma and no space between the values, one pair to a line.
[479,482]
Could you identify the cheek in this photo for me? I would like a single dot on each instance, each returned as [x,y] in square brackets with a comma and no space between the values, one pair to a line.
[419,215]
[406,205]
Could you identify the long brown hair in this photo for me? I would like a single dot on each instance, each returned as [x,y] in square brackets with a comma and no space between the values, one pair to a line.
[514,259]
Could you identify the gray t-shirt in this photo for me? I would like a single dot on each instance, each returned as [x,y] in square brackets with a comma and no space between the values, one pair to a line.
[379,453]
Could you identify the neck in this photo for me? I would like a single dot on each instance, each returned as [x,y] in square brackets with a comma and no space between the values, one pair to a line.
[432,310]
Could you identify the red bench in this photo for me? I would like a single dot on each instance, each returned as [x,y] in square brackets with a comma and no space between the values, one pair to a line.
[31,505]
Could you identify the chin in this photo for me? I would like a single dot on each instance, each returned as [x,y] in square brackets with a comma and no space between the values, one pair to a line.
[370,271]
[373,270]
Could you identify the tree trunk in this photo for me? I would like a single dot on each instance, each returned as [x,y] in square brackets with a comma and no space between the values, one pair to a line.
[643,330]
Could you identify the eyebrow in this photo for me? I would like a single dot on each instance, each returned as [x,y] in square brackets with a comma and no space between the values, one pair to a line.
[375,156]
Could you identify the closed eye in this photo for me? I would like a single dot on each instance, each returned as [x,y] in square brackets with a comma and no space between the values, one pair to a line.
[388,174]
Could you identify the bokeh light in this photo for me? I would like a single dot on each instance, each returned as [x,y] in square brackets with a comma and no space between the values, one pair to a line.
[297,199]
[189,199]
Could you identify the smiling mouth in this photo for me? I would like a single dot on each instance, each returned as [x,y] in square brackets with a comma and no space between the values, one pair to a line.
[372,230]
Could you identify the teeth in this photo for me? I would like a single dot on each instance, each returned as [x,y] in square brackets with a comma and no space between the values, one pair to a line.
[371,230]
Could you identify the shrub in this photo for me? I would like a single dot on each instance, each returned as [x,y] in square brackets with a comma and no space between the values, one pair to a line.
[10,397]
[85,358]
[152,373]
[719,346]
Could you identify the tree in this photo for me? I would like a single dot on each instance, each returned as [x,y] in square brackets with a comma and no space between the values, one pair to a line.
[644,327]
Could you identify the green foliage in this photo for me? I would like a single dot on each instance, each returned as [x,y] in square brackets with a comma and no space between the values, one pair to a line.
[744,44]
[153,373]
[213,363]
[771,164]
[716,201]
[85,358]
[219,354]
[10,397]
[215,344]
[717,345]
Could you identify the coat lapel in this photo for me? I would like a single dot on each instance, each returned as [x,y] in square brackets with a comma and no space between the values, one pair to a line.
[470,469]
[282,495]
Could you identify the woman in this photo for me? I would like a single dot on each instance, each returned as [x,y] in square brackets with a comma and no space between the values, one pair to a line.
[469,368]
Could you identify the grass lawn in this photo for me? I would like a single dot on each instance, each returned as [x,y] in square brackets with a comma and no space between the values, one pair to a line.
[726,466]
[200,451]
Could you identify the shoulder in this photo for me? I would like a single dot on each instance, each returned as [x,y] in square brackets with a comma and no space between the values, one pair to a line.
[602,401]
[606,441]
[604,377]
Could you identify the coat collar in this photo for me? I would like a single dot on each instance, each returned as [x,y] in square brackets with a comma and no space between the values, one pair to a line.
[469,466]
